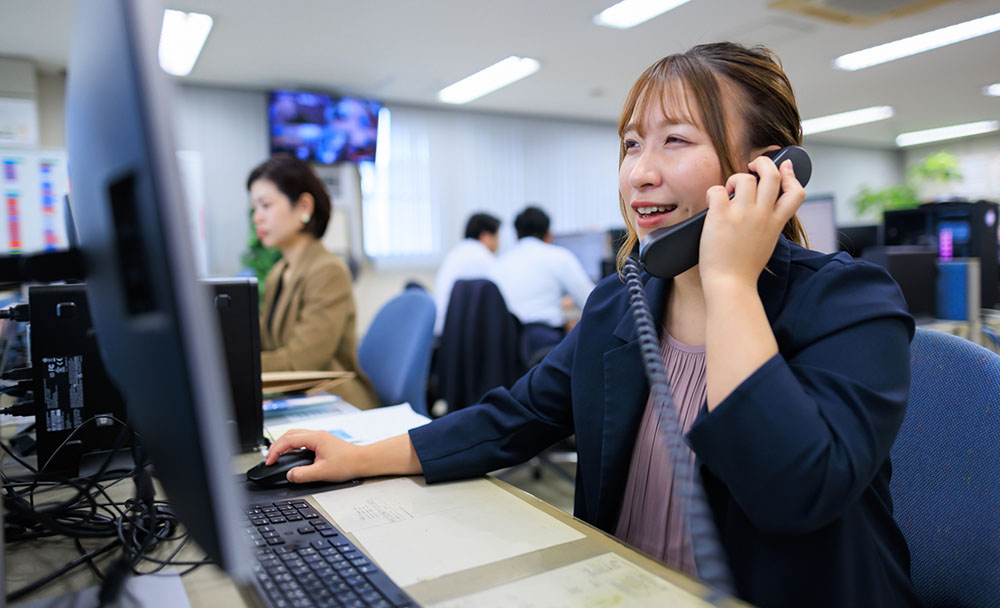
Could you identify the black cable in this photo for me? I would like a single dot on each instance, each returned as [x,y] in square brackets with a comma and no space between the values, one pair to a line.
[138,524]
[17,312]
[26,408]
[48,578]
[64,517]
[20,373]
[710,559]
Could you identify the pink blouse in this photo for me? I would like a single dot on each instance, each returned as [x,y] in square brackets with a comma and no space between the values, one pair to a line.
[649,518]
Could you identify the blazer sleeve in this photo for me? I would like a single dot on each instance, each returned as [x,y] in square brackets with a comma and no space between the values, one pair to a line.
[506,427]
[800,439]
[319,323]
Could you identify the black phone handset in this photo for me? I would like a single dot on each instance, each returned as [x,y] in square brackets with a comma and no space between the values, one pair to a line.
[667,252]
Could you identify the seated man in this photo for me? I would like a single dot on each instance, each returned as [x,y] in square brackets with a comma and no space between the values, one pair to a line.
[533,278]
[472,258]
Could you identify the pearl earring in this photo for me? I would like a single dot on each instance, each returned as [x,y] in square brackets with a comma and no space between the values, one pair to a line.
[305,218]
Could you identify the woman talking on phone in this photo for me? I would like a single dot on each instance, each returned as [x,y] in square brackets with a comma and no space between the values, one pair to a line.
[790,368]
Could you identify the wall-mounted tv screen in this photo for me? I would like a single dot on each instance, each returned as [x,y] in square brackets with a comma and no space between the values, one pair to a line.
[322,128]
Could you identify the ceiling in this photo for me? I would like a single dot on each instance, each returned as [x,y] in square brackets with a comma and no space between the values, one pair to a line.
[404,51]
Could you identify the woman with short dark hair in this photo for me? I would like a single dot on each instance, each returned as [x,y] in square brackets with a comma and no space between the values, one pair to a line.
[308,317]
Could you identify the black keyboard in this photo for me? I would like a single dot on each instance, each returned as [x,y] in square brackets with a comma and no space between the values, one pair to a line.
[303,561]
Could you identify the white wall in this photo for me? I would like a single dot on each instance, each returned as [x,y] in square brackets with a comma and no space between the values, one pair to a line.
[445,165]
[51,110]
[843,170]
[979,163]
[229,130]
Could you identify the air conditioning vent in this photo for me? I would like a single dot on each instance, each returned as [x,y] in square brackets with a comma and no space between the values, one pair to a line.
[854,12]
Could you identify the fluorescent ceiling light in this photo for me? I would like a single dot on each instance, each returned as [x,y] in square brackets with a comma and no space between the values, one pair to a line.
[181,38]
[915,138]
[845,119]
[993,89]
[489,79]
[905,47]
[629,13]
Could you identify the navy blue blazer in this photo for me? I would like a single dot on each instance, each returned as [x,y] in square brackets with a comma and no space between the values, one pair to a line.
[795,462]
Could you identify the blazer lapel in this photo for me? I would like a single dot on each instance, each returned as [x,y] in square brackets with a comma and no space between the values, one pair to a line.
[626,391]
[268,335]
[290,291]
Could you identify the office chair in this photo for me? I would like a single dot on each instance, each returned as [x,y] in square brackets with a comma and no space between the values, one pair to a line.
[479,347]
[946,472]
[396,350]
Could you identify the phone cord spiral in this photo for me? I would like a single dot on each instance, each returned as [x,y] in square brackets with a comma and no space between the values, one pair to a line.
[709,556]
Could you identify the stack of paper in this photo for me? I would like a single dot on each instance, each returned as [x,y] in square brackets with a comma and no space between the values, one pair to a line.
[360,428]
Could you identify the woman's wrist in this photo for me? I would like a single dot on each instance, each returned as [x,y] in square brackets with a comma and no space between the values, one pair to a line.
[725,289]
[393,456]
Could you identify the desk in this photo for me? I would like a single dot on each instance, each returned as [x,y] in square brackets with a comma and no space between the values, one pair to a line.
[208,587]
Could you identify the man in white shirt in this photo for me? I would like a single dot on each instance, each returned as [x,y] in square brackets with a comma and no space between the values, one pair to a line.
[533,278]
[472,258]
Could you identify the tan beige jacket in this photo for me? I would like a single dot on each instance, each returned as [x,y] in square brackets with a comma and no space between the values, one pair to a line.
[314,322]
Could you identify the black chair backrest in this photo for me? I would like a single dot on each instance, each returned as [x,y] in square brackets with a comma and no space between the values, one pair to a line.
[479,347]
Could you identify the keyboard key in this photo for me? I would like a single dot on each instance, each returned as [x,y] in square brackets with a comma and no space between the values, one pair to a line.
[325,570]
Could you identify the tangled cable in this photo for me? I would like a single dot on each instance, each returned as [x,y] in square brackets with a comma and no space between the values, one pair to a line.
[136,525]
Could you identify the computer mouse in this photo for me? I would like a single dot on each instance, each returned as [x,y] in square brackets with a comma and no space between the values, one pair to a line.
[275,474]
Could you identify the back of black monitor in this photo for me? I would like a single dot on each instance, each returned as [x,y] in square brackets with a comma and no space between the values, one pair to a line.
[236,304]
[154,323]
[855,239]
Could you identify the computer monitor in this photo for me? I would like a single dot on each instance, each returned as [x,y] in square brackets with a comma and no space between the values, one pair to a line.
[817,216]
[591,248]
[855,239]
[153,319]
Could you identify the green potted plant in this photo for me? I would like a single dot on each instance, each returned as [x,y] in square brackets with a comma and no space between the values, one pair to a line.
[258,258]
[937,172]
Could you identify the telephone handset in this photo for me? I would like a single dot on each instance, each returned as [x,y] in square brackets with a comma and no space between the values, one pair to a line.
[667,252]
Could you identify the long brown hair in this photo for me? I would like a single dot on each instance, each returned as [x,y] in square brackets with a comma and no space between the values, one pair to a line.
[707,72]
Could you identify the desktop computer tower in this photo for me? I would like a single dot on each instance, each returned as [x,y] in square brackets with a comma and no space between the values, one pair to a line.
[973,233]
[77,403]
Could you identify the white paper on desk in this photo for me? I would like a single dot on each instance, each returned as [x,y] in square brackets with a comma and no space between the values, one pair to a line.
[302,415]
[161,590]
[361,428]
[603,580]
[418,533]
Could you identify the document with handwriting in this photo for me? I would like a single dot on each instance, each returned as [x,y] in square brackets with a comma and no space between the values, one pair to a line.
[420,532]
[601,581]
